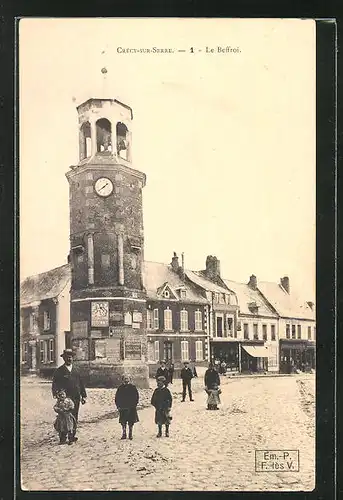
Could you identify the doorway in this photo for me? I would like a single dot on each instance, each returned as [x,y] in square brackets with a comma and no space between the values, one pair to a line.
[168,351]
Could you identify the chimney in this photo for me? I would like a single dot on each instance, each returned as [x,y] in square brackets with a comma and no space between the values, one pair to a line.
[175,263]
[68,258]
[284,282]
[253,282]
[182,268]
[212,267]
[310,305]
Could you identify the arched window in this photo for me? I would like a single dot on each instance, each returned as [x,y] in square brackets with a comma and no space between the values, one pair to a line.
[103,136]
[122,140]
[85,140]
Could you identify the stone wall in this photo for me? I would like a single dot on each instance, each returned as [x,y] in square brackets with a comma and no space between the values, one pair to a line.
[97,374]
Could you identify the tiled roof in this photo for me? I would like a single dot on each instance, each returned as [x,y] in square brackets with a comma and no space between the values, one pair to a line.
[287,305]
[156,274]
[51,283]
[45,285]
[246,296]
[200,280]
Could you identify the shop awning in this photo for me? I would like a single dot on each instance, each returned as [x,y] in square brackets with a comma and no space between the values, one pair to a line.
[256,351]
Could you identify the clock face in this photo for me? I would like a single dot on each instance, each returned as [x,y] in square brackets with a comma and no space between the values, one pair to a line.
[103,186]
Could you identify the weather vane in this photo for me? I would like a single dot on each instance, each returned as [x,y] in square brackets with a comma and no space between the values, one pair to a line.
[104,81]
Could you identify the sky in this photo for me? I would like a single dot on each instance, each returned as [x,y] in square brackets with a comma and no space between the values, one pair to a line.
[226,139]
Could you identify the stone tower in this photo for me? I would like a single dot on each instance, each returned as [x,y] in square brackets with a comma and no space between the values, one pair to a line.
[108,300]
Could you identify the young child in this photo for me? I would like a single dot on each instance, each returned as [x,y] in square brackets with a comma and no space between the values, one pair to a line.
[213,398]
[65,423]
[162,401]
[126,400]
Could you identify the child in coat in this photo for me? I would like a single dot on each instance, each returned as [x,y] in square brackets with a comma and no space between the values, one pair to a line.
[65,423]
[213,398]
[162,401]
[126,400]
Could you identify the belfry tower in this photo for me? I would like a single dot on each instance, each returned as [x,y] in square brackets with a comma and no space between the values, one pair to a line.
[108,300]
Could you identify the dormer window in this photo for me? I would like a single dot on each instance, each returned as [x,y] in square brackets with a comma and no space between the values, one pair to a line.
[253,307]
[166,292]
[183,294]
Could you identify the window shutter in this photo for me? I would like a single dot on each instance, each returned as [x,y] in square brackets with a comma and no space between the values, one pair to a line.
[156,320]
[157,350]
[199,356]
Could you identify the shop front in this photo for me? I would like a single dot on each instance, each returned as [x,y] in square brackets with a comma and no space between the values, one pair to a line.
[297,355]
[227,353]
[253,357]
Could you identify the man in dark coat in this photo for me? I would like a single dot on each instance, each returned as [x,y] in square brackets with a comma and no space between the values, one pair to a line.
[186,376]
[211,377]
[171,371]
[163,371]
[68,379]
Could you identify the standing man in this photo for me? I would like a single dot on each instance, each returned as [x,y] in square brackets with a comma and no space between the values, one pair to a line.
[171,371]
[68,379]
[163,371]
[186,376]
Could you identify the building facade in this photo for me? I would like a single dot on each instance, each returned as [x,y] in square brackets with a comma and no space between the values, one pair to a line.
[186,320]
[297,326]
[223,309]
[257,329]
[44,320]
[177,317]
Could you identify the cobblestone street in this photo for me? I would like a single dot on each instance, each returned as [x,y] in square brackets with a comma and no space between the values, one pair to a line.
[205,451]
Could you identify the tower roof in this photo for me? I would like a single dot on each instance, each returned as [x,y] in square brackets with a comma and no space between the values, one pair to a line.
[97,99]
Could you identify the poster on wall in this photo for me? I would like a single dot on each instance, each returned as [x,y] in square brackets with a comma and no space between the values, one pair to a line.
[80,347]
[133,348]
[128,318]
[100,349]
[80,329]
[137,317]
[100,314]
[116,316]
[113,349]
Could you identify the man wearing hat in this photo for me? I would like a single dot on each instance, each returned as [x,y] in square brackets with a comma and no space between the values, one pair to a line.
[186,376]
[68,379]
[163,371]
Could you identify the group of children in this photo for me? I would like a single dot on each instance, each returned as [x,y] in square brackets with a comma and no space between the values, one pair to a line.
[126,400]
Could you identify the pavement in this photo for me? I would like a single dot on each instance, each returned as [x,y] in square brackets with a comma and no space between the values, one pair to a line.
[206,450]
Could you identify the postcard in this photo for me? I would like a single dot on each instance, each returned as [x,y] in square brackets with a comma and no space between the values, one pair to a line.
[167,254]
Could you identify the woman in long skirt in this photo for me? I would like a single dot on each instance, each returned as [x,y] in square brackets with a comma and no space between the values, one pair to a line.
[126,400]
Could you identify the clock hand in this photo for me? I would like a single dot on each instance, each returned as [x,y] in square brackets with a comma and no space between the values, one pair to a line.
[103,186]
